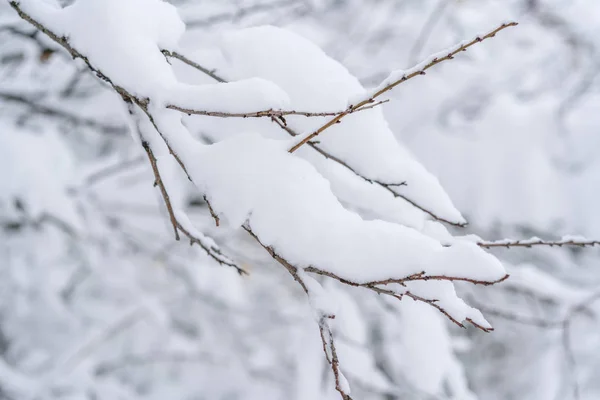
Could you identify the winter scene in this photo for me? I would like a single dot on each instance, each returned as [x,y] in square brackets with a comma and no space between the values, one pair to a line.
[299,200]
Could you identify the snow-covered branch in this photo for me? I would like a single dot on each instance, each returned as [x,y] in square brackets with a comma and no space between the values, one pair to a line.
[195,237]
[390,187]
[398,77]
[248,181]
[534,242]
[269,113]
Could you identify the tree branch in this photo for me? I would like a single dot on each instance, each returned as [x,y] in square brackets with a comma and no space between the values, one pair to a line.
[269,113]
[296,272]
[212,251]
[390,187]
[538,242]
[324,328]
[415,71]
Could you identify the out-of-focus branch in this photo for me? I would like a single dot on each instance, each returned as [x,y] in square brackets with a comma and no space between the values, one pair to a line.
[518,318]
[44,218]
[427,28]
[566,340]
[42,109]
[563,324]
[45,51]
[112,170]
[241,12]
[106,368]
[415,71]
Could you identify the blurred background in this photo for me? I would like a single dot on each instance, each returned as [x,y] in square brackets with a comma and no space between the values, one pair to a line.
[97,301]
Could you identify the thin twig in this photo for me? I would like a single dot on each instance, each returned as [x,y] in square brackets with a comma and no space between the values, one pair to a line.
[158,181]
[193,64]
[538,242]
[270,113]
[415,72]
[420,276]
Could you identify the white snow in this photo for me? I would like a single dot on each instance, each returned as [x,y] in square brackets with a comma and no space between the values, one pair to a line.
[316,82]
[253,180]
[250,179]
[123,38]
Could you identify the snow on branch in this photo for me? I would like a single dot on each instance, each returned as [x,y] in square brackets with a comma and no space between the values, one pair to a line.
[398,77]
[256,183]
[181,222]
[315,293]
[269,113]
[391,187]
[535,241]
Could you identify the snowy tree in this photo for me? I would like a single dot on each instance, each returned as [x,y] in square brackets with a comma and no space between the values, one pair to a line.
[260,146]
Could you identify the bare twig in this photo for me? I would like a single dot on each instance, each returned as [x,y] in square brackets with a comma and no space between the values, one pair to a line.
[419,70]
[538,242]
[158,181]
[212,212]
[269,113]
[241,12]
[193,64]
